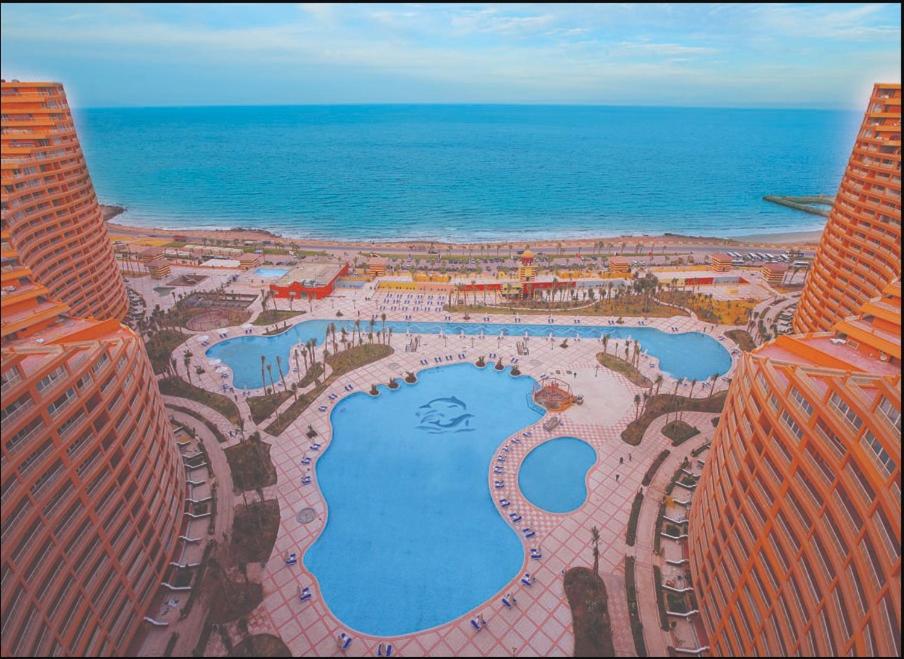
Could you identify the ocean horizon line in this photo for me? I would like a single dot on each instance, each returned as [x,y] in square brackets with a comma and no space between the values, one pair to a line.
[461,104]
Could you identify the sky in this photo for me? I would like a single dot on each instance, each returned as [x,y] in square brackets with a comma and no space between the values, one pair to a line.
[717,55]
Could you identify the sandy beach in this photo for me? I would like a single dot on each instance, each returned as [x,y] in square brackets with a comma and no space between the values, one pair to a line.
[799,238]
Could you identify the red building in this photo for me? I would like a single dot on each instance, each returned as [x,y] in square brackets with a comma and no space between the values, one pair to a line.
[309,281]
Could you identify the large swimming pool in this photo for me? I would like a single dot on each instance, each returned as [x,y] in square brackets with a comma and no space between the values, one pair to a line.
[552,475]
[413,538]
[690,355]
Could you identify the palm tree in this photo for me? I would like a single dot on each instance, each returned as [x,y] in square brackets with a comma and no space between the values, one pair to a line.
[606,344]
[690,395]
[263,381]
[712,380]
[658,383]
[270,374]
[636,406]
[595,538]
[675,394]
[186,359]
[281,377]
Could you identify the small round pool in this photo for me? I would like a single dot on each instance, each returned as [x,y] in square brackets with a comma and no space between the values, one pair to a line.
[270,273]
[552,475]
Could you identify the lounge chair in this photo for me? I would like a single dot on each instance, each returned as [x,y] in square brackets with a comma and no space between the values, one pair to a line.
[515,517]
[346,640]
[499,484]
[528,533]
[306,460]
[315,447]
[535,554]
[498,470]
[292,559]
[304,594]
[305,480]
[506,603]
[527,580]
[475,623]
[322,408]
[504,503]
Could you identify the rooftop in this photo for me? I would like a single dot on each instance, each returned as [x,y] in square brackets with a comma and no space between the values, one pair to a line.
[311,273]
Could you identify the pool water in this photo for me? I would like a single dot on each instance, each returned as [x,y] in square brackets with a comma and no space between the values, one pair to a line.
[689,355]
[270,272]
[552,475]
[413,538]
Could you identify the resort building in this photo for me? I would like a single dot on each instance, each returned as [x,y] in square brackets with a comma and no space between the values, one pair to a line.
[795,532]
[720,262]
[149,254]
[250,260]
[860,249]
[312,280]
[92,482]
[527,271]
[49,205]
[774,273]
[158,268]
[376,267]
[619,265]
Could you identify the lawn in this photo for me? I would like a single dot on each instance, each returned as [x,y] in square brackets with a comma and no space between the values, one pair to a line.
[667,404]
[160,347]
[625,368]
[586,595]
[711,310]
[679,431]
[636,625]
[176,386]
[250,464]
[631,534]
[648,476]
[254,531]
[270,316]
[221,438]
[742,338]
[263,406]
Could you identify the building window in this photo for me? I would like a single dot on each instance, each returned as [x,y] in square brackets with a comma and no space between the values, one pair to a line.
[48,380]
[892,415]
[802,402]
[875,449]
[61,402]
[9,412]
[845,411]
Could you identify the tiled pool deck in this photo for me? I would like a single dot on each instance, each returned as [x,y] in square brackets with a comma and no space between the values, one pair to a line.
[540,624]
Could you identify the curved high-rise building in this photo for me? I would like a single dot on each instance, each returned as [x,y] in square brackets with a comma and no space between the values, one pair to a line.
[795,528]
[48,201]
[92,482]
[860,249]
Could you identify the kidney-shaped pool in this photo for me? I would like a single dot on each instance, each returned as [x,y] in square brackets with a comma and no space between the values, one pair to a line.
[413,538]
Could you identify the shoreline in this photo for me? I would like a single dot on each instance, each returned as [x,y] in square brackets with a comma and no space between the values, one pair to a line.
[809,237]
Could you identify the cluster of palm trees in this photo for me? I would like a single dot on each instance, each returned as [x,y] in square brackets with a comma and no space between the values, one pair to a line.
[641,400]
[631,358]
[340,339]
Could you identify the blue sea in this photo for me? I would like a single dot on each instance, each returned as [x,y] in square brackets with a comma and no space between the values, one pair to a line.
[465,172]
